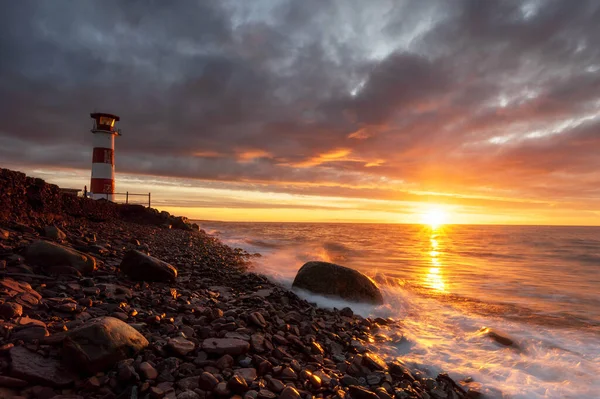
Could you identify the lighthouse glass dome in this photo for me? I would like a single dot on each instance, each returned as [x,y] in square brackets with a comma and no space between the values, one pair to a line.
[104,122]
[107,121]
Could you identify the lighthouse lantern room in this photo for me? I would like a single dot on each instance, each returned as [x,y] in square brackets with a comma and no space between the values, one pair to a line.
[103,158]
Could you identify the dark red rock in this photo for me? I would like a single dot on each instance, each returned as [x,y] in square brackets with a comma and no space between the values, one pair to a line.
[10,382]
[48,254]
[180,346]
[289,393]
[101,343]
[207,381]
[334,280]
[139,266]
[230,346]
[358,392]
[9,310]
[148,371]
[35,369]
[237,384]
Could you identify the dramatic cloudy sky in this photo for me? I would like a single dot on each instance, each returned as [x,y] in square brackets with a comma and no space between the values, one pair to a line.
[315,109]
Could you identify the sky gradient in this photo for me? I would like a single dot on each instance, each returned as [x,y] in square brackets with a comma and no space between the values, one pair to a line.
[315,110]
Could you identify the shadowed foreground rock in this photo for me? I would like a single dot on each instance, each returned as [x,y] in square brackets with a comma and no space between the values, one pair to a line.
[142,267]
[48,255]
[33,368]
[334,280]
[101,343]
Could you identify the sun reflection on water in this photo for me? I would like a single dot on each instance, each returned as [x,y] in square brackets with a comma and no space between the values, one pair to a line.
[434,277]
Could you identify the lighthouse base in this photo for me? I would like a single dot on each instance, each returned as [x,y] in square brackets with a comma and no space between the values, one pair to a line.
[104,196]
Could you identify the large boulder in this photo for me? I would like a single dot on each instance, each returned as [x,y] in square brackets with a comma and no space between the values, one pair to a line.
[101,343]
[139,266]
[49,255]
[330,279]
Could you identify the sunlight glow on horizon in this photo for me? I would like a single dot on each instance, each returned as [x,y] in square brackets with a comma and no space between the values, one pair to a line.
[434,217]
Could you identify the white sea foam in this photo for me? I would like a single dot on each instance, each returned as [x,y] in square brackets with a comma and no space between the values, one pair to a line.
[443,333]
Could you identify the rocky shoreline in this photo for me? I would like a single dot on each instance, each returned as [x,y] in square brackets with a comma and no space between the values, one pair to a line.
[99,300]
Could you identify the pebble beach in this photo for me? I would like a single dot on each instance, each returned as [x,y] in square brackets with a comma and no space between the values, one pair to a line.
[101,300]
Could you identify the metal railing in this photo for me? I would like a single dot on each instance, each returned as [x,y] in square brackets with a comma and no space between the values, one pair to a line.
[127,199]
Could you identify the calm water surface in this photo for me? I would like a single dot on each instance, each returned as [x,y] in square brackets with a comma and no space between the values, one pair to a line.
[539,285]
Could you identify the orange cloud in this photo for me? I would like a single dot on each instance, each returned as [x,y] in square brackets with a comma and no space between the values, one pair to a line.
[207,154]
[251,155]
[340,154]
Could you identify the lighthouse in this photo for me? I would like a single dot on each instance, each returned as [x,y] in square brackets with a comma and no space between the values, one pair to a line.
[103,157]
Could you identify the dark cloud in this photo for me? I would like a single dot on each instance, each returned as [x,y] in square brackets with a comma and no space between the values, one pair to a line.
[464,95]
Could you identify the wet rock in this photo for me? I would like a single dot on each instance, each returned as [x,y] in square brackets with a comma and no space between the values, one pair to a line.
[334,280]
[30,332]
[207,381]
[275,385]
[102,342]
[48,255]
[237,384]
[188,395]
[249,374]
[9,310]
[289,393]
[139,266]
[266,394]
[221,389]
[190,383]
[54,233]
[180,346]
[225,362]
[373,362]
[230,346]
[35,369]
[347,312]
[288,374]
[358,392]
[501,338]
[10,382]
[258,342]
[257,319]
[148,371]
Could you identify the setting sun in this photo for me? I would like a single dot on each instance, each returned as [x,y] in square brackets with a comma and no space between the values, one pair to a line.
[434,217]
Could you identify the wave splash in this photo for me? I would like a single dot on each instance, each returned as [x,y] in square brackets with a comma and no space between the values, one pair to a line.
[552,357]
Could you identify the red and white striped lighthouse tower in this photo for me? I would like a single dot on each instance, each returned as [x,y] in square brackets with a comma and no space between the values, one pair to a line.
[103,158]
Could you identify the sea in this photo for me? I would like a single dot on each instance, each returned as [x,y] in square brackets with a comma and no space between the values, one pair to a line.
[447,286]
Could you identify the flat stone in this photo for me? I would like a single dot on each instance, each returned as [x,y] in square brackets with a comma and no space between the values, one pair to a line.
[101,343]
[10,382]
[180,345]
[358,392]
[30,333]
[35,369]
[249,374]
[48,254]
[230,346]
